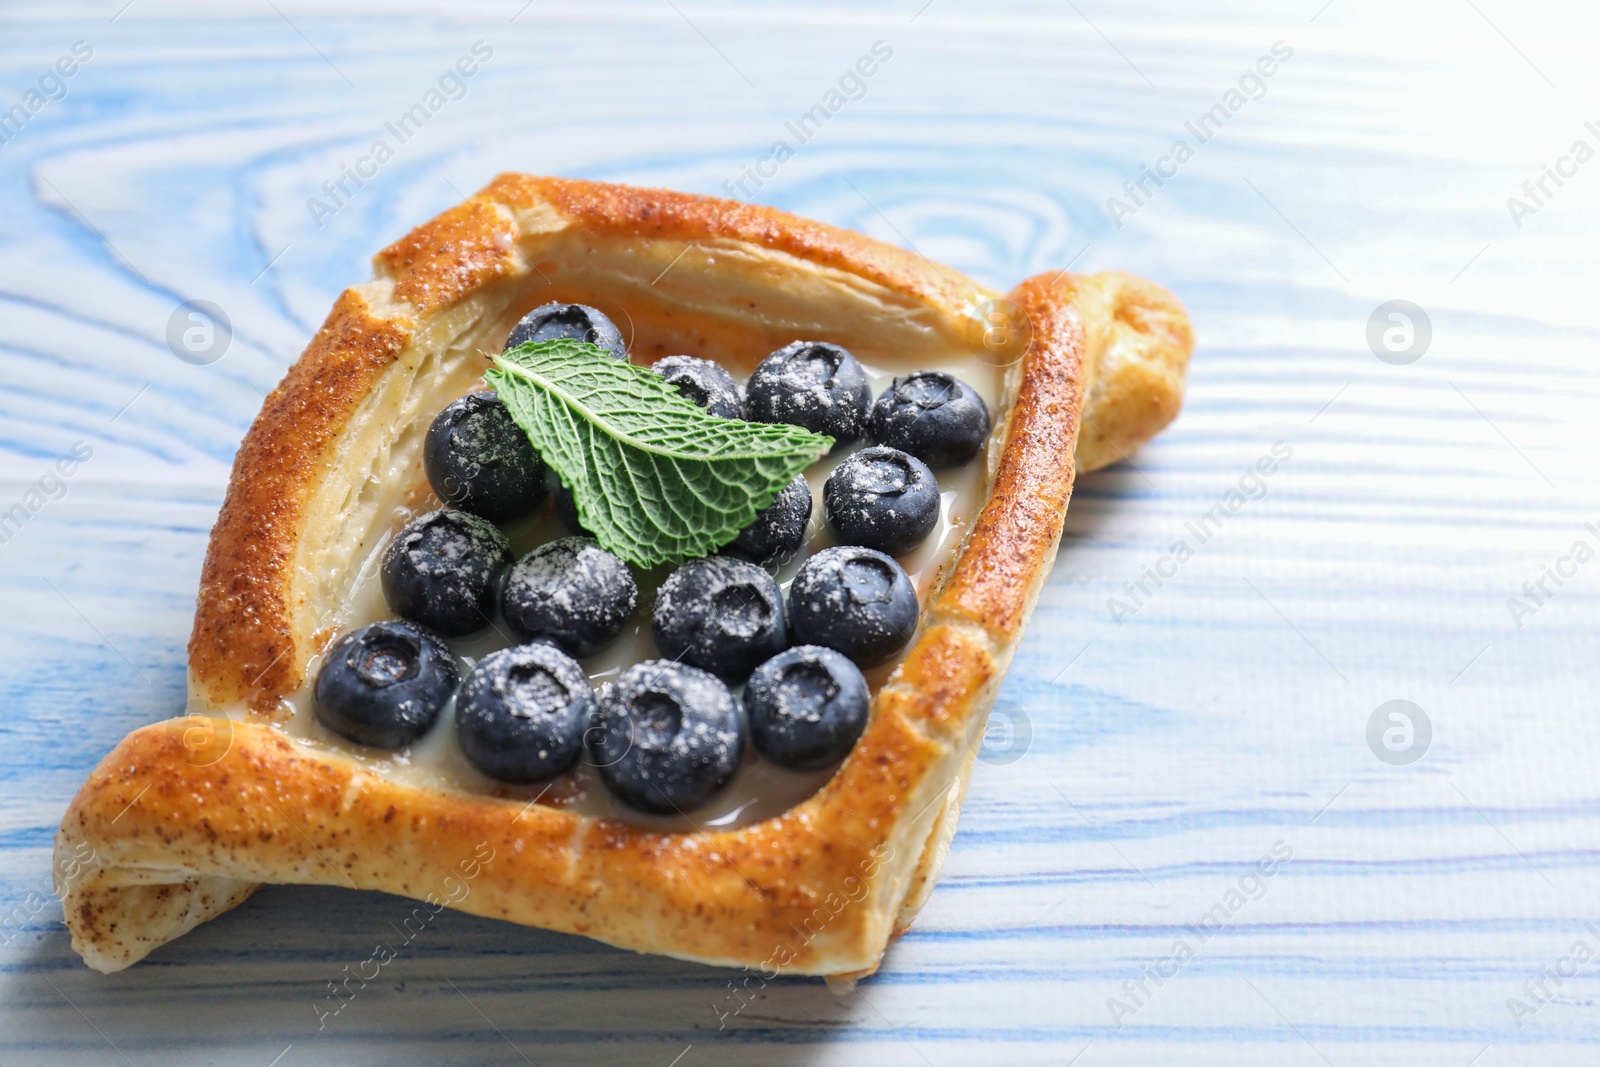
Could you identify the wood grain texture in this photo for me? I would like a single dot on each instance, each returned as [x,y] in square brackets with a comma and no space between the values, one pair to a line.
[1166,756]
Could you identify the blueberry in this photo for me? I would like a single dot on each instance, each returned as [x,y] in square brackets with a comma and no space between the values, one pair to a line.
[480,461]
[932,415]
[721,614]
[522,713]
[578,322]
[443,570]
[779,529]
[666,736]
[807,707]
[384,684]
[811,384]
[572,592]
[705,383]
[855,600]
[882,498]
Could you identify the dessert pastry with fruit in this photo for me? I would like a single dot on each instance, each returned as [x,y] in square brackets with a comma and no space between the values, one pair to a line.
[671,601]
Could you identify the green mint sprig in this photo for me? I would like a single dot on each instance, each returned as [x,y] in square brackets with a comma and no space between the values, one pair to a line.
[655,478]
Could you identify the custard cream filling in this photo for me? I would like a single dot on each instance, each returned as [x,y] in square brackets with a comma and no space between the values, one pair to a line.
[760,789]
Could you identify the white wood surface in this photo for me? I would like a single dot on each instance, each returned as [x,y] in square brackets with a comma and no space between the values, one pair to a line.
[1167,755]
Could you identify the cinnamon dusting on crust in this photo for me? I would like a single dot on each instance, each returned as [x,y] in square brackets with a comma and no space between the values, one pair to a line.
[459,252]
[993,580]
[242,643]
[621,209]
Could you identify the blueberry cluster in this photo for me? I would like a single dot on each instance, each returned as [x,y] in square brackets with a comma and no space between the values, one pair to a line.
[884,497]
[666,734]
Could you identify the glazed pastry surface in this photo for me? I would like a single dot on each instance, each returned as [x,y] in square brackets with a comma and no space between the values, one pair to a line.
[182,830]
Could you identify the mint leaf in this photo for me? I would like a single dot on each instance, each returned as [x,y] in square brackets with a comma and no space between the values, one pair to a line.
[654,477]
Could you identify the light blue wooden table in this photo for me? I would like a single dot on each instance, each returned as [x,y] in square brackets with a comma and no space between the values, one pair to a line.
[1184,719]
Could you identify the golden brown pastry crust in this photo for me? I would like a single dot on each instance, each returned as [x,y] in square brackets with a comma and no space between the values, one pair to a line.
[818,890]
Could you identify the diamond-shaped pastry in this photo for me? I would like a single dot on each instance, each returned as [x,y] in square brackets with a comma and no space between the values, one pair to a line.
[184,819]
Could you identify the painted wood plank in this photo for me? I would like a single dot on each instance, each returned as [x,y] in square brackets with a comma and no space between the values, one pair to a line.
[1178,730]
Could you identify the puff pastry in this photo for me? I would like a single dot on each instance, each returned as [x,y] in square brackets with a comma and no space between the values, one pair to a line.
[172,840]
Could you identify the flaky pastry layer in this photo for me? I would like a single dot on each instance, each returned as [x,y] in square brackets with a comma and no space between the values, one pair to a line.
[164,835]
